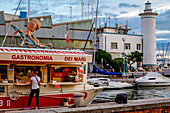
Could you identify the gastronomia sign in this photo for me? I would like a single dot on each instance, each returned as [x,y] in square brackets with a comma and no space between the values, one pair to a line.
[31,57]
[55,57]
[48,58]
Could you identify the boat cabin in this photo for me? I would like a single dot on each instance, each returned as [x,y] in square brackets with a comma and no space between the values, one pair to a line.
[17,65]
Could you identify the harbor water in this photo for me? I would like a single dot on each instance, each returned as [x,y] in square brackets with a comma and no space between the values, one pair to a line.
[133,93]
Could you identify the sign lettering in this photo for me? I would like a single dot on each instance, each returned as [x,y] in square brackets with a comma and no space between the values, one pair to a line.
[31,57]
[8,102]
[79,59]
[1,102]
[68,58]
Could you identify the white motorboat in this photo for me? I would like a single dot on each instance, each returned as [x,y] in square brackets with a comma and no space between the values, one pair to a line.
[109,84]
[98,81]
[152,79]
[118,85]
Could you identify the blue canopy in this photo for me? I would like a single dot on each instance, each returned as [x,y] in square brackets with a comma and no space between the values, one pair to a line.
[97,70]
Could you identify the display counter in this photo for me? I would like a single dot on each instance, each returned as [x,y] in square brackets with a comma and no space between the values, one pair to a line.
[6,84]
[65,83]
[27,84]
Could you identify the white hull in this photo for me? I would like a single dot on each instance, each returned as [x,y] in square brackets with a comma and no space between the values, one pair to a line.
[153,84]
[153,79]
[118,85]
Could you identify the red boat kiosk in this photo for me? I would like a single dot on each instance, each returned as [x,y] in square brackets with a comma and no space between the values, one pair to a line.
[63,72]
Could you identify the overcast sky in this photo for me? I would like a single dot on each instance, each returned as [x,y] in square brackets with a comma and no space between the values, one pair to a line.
[126,11]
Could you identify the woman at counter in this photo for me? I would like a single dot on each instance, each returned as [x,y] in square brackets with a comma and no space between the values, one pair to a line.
[35,83]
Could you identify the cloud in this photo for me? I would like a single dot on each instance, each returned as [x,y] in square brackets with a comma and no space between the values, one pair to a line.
[20,8]
[104,6]
[24,2]
[123,12]
[23,8]
[162,39]
[48,13]
[162,21]
[162,31]
[35,12]
[128,5]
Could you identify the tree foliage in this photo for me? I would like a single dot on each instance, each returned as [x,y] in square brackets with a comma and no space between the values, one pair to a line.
[117,64]
[103,54]
[134,57]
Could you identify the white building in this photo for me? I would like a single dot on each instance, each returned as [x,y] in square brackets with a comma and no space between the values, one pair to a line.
[110,40]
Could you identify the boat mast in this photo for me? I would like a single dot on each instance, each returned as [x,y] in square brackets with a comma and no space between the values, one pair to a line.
[123,39]
[163,53]
[95,33]
[82,8]
[88,8]
[92,10]
[28,10]
[70,13]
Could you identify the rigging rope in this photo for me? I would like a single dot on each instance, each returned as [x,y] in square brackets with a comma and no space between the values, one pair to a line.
[11,24]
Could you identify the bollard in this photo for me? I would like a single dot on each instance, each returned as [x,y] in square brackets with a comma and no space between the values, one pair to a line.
[79,99]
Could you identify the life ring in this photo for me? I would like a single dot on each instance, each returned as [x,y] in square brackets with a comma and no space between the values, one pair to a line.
[14,95]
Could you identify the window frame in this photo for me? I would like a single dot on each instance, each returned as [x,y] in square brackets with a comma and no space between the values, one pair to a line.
[138,46]
[116,46]
[127,45]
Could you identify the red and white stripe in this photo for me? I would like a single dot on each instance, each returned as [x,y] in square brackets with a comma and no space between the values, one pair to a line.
[41,51]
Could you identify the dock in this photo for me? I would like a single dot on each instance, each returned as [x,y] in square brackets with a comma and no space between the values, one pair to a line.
[154,105]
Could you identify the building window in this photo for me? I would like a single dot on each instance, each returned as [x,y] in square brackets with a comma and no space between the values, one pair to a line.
[127,46]
[138,47]
[113,45]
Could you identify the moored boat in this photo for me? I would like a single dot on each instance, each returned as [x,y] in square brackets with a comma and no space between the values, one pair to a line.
[63,72]
[108,83]
[118,85]
[152,79]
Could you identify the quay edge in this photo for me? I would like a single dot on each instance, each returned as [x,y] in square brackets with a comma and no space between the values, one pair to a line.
[154,105]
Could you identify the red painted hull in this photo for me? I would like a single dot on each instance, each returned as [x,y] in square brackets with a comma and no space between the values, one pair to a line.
[44,101]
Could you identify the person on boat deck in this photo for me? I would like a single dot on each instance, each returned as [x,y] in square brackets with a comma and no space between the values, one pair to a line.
[35,83]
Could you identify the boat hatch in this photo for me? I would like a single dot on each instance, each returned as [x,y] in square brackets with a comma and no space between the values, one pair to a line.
[103,79]
[152,78]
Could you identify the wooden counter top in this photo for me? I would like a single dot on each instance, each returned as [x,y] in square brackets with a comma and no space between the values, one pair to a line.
[26,84]
[65,83]
[6,84]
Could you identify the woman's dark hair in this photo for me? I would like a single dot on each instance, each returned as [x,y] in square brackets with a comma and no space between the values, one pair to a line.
[36,71]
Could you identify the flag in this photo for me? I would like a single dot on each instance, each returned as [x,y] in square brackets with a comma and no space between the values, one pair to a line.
[67,35]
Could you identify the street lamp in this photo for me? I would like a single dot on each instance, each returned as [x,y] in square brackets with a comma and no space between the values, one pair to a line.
[123,39]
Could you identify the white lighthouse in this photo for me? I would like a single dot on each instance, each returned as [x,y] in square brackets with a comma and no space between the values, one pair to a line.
[148,30]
